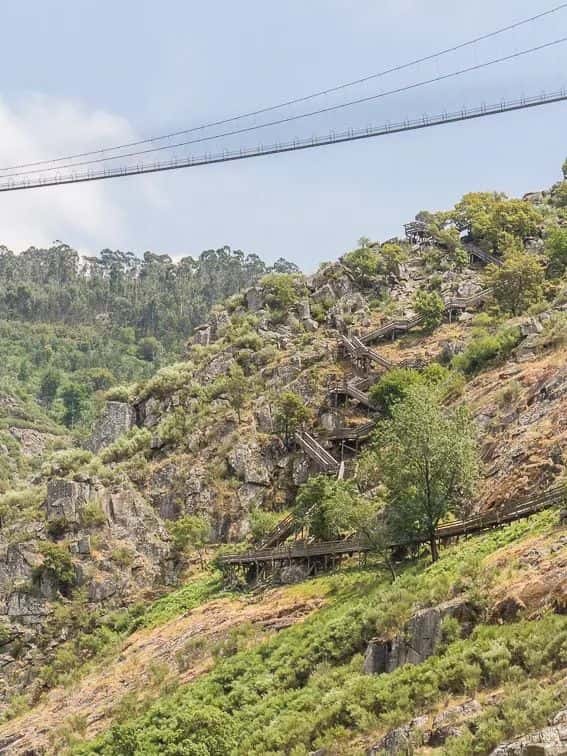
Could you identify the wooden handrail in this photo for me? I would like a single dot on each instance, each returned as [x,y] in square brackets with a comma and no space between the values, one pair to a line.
[356,544]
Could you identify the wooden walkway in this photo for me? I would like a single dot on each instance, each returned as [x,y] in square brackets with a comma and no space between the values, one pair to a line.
[324,553]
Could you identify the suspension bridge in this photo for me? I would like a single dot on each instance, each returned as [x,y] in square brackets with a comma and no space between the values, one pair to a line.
[295,145]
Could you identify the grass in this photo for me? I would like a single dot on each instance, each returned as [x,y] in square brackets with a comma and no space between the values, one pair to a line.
[303,688]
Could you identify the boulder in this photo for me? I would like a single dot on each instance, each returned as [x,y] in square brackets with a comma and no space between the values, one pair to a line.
[116,419]
[549,741]
[310,325]
[66,499]
[401,741]
[202,335]
[254,298]
[530,327]
[325,294]
[419,638]
[248,464]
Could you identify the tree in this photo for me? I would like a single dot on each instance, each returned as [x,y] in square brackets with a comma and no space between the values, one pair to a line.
[564,169]
[429,305]
[148,348]
[190,533]
[556,251]
[49,385]
[282,290]
[392,387]
[559,194]
[428,460]
[236,388]
[363,261]
[75,401]
[490,219]
[291,413]
[518,282]
[327,507]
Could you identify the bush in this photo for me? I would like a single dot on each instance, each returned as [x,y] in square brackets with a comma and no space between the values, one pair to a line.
[282,289]
[518,282]
[556,251]
[64,462]
[486,349]
[57,562]
[136,440]
[429,305]
[393,387]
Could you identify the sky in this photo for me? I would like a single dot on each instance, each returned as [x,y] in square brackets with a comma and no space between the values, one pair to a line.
[92,73]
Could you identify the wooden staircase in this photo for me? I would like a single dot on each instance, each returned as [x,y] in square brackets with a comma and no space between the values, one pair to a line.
[317,452]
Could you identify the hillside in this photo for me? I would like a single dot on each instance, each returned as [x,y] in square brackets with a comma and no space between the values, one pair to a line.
[288,400]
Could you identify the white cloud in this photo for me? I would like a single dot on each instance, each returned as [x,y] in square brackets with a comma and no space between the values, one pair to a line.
[39,127]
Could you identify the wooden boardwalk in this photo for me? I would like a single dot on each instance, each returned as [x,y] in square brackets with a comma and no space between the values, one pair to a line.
[322,554]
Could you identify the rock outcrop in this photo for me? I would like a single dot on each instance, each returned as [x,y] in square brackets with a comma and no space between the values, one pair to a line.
[549,741]
[116,419]
[419,638]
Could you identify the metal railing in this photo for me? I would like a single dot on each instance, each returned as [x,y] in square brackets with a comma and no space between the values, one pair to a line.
[243,153]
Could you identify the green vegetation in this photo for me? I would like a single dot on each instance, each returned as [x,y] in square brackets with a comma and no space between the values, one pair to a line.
[486,348]
[556,251]
[291,413]
[190,533]
[492,220]
[518,282]
[395,385]
[303,688]
[427,459]
[430,306]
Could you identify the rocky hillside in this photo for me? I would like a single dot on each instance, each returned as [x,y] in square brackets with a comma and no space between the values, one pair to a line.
[205,453]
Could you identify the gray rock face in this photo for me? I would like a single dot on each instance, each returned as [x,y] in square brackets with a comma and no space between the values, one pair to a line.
[530,327]
[66,499]
[202,335]
[117,418]
[254,299]
[249,464]
[33,442]
[324,294]
[550,741]
[419,638]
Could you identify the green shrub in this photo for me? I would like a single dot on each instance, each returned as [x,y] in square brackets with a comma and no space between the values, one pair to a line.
[430,306]
[132,442]
[66,461]
[57,562]
[486,349]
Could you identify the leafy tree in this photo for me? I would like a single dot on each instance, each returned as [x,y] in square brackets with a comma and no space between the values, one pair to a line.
[427,458]
[236,388]
[282,290]
[363,261]
[75,401]
[556,251]
[148,348]
[392,387]
[391,256]
[49,386]
[291,413]
[190,533]
[559,194]
[429,305]
[327,507]
[518,282]
[490,219]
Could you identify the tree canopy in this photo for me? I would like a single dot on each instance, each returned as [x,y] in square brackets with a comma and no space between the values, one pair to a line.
[427,458]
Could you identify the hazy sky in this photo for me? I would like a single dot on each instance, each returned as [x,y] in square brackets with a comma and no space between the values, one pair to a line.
[82,74]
